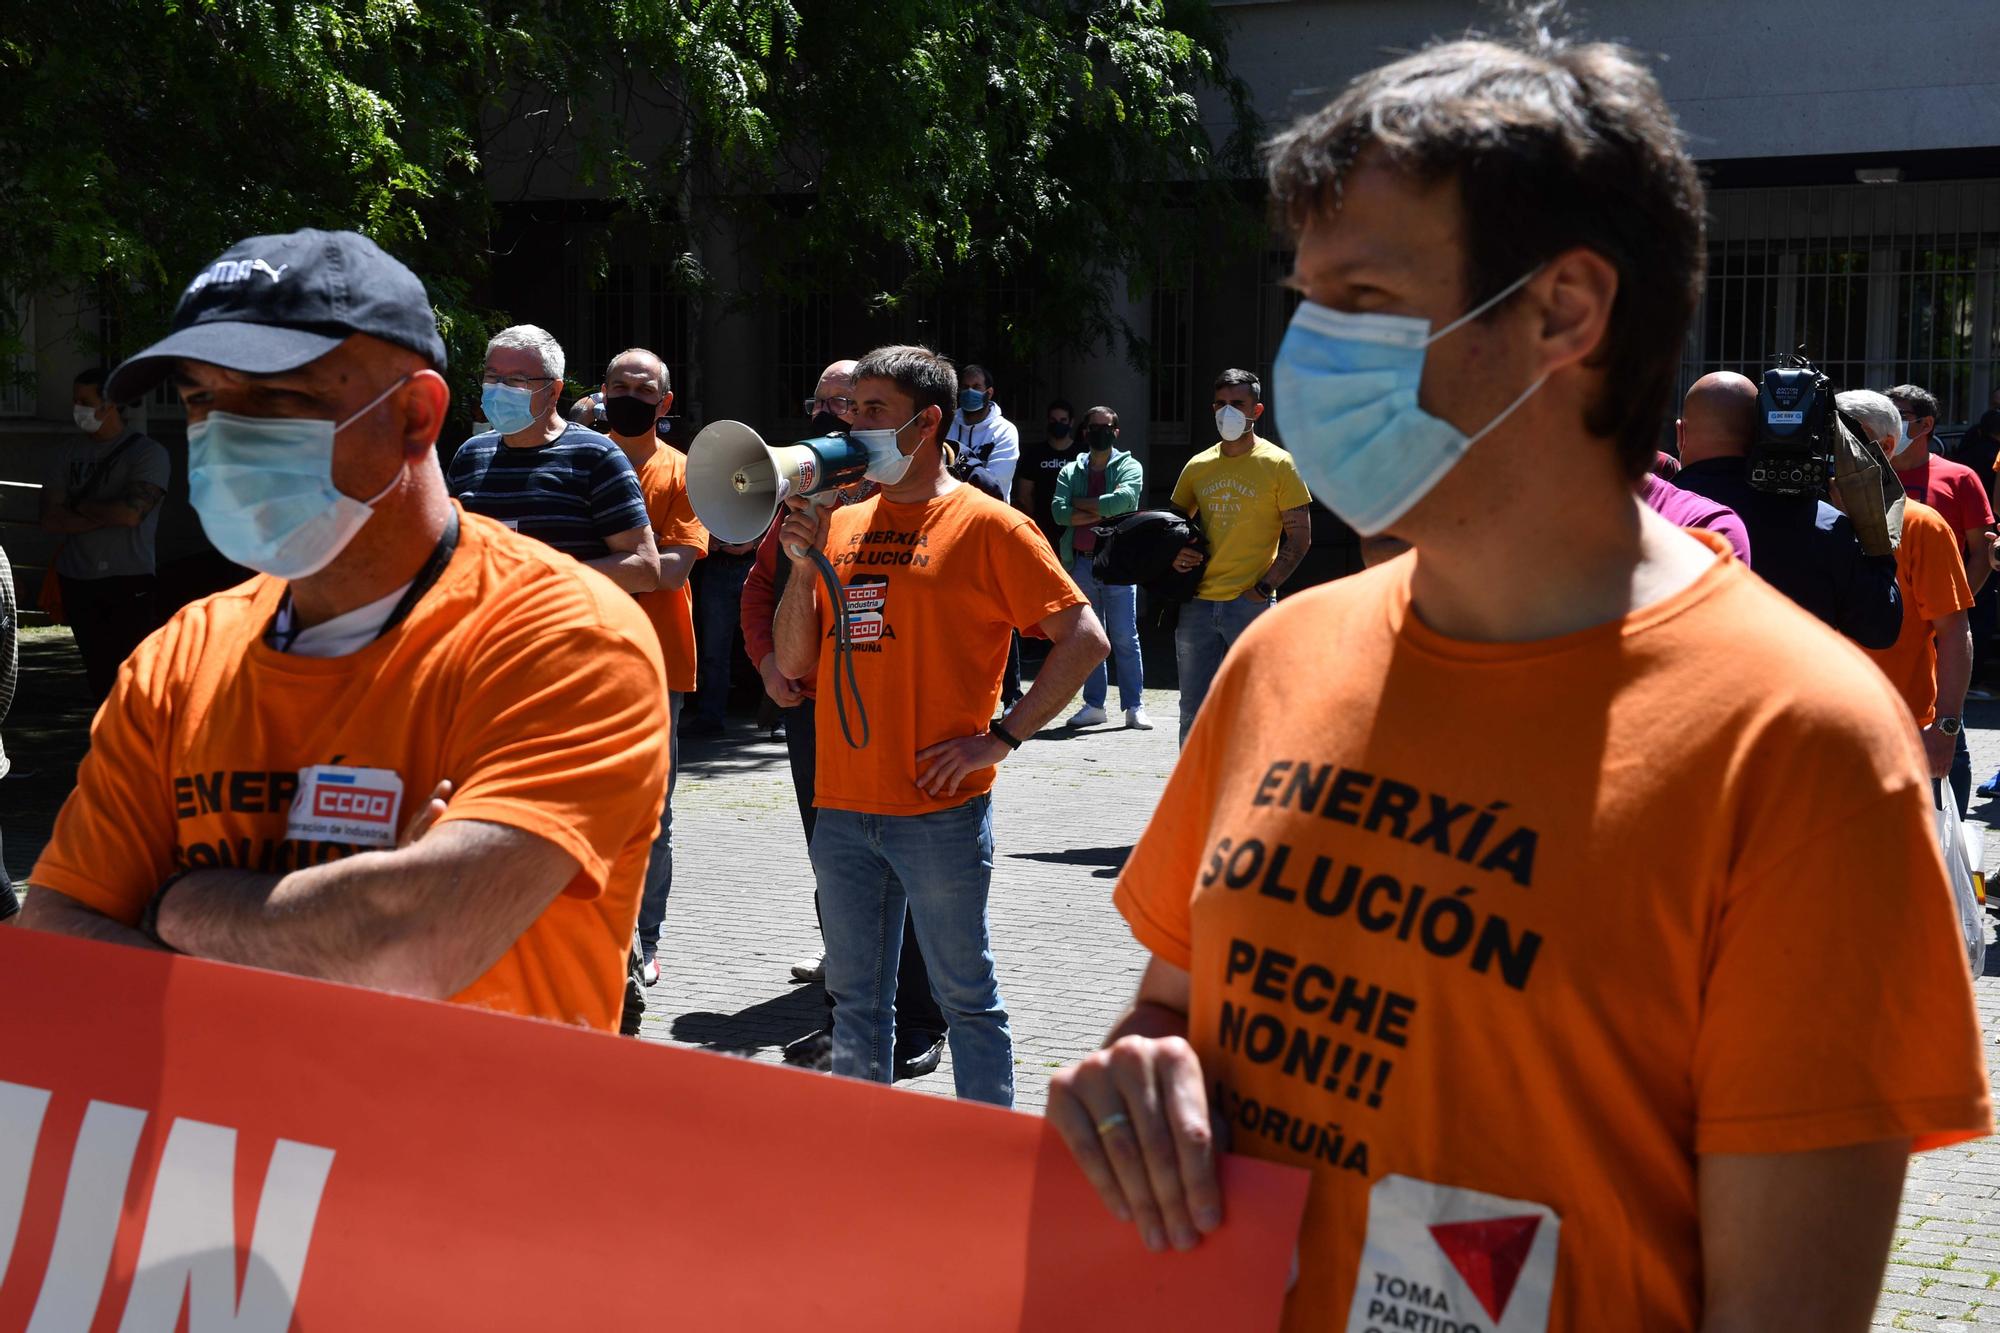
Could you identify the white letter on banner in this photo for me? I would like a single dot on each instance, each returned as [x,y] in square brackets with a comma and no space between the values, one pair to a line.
[190,1243]
[21,1110]
[92,1203]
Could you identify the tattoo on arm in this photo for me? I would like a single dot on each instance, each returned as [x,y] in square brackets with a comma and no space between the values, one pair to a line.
[142,496]
[1297,540]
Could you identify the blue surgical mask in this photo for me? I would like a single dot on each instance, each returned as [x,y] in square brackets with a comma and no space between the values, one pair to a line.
[887,463]
[1345,387]
[507,408]
[971,400]
[263,487]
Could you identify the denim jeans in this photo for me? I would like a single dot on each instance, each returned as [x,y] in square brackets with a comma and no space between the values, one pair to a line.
[660,862]
[916,1010]
[718,609]
[938,867]
[1202,639]
[1117,606]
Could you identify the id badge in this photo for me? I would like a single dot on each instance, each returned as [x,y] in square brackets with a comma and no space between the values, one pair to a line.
[359,806]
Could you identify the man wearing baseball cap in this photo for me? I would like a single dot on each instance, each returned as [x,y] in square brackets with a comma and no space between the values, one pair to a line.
[417,752]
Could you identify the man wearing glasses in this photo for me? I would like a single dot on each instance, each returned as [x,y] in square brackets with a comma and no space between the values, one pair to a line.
[548,478]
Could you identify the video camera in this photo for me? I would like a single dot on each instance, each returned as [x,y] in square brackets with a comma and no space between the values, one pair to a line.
[1794,449]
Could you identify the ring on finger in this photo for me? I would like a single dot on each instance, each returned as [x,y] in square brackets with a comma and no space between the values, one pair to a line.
[1116,1120]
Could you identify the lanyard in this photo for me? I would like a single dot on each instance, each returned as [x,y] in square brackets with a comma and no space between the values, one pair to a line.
[426,579]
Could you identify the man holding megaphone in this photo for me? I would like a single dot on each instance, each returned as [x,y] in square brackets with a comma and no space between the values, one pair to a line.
[934,578]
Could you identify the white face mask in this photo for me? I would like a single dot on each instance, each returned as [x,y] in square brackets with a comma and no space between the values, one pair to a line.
[887,463]
[1230,423]
[88,419]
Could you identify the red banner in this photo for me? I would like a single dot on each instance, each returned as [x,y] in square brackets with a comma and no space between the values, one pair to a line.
[260,1152]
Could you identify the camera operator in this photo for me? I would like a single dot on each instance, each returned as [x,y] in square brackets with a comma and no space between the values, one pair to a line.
[1805,548]
[935,577]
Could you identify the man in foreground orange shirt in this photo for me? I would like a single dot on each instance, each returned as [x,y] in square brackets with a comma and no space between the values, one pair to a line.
[418,752]
[1583,930]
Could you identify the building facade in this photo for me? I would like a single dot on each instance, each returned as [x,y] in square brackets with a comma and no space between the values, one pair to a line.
[1853,157]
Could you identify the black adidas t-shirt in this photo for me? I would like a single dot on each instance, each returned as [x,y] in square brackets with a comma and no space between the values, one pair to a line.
[1043,464]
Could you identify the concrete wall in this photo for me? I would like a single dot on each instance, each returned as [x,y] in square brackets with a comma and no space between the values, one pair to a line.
[1748,78]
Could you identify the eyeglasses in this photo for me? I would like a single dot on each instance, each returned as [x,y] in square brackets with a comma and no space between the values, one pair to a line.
[837,405]
[516,381]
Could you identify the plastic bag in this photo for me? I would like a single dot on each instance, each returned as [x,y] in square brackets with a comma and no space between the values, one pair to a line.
[1963,850]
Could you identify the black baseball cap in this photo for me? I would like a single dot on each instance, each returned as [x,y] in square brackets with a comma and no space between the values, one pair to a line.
[274,303]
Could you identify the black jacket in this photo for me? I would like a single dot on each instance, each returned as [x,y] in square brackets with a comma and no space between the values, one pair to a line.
[1807,550]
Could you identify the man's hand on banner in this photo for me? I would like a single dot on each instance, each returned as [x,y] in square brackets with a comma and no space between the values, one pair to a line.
[941,767]
[1135,1115]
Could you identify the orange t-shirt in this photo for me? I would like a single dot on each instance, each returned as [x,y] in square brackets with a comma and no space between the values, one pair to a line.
[934,592]
[663,481]
[1930,572]
[531,683]
[1496,938]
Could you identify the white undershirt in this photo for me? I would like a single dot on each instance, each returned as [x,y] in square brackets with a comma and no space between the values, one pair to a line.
[347,633]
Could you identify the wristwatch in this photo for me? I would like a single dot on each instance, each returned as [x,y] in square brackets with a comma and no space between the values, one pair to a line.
[1265,591]
[1949,726]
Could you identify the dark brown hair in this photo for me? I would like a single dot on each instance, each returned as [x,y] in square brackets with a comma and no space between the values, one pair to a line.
[925,376]
[1554,146]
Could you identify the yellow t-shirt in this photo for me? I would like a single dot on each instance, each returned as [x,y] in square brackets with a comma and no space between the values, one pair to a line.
[1494,939]
[1239,502]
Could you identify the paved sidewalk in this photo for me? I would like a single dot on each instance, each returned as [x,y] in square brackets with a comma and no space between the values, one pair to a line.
[1067,809]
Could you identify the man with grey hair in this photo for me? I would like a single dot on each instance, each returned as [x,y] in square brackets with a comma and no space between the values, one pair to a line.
[1930,663]
[549,478]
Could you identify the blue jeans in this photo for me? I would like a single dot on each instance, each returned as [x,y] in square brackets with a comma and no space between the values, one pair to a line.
[660,862]
[938,867]
[1202,639]
[718,610]
[1117,605]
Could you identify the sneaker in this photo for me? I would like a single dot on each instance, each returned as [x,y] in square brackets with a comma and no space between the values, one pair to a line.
[1990,787]
[918,1054]
[810,969]
[649,972]
[1087,716]
[1136,719]
[812,1051]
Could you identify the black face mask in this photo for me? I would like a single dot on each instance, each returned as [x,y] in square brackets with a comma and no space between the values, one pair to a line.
[1100,437]
[1059,430]
[826,423]
[629,415]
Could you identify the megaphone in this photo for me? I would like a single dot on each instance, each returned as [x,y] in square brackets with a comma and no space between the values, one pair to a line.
[736,482]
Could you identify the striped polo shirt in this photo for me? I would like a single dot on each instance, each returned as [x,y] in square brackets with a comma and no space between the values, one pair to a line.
[572,492]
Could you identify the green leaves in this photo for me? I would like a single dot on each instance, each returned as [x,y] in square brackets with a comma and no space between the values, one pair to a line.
[916,146]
